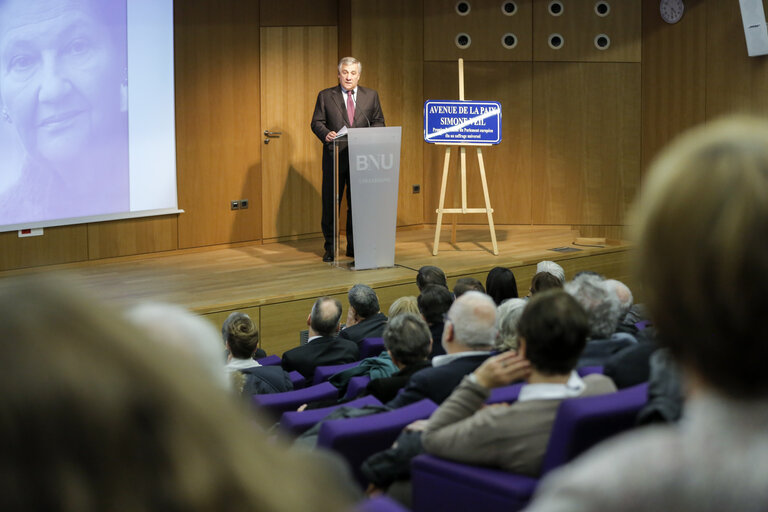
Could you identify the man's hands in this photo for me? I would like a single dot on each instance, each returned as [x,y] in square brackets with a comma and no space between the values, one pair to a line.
[330,136]
[502,369]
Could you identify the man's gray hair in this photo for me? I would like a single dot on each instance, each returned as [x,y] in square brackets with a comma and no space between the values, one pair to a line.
[407,337]
[507,317]
[347,61]
[623,293]
[324,320]
[552,268]
[473,316]
[364,300]
[599,301]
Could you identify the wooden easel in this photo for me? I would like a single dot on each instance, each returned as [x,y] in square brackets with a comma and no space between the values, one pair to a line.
[463,159]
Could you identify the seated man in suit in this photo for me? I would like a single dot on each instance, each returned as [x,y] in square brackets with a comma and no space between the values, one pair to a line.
[323,347]
[364,320]
[468,338]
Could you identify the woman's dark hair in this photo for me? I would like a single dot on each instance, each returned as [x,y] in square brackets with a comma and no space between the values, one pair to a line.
[242,335]
[544,281]
[501,285]
[434,301]
[555,328]
[429,274]
[465,284]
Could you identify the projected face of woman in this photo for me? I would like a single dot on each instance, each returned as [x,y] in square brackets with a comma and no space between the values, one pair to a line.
[59,76]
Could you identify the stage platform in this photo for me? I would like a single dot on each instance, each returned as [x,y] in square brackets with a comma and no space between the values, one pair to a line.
[277,283]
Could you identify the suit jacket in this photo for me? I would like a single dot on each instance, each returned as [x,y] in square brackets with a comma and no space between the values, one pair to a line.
[437,383]
[371,327]
[386,388]
[323,351]
[330,113]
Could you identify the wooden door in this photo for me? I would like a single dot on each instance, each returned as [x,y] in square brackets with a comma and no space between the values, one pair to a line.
[296,63]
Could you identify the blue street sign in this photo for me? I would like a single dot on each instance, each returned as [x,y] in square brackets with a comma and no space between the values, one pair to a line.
[462,122]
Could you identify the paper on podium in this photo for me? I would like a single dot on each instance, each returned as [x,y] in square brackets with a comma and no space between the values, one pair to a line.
[341,132]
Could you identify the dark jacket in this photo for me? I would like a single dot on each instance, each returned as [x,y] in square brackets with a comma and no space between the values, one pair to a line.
[371,327]
[265,379]
[386,388]
[436,330]
[437,383]
[323,351]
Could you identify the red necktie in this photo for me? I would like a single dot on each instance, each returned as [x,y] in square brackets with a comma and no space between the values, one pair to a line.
[350,107]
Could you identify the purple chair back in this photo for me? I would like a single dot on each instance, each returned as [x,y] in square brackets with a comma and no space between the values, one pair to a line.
[589,370]
[297,379]
[356,439]
[506,394]
[296,423]
[371,347]
[272,360]
[356,385]
[379,504]
[276,404]
[323,373]
[583,422]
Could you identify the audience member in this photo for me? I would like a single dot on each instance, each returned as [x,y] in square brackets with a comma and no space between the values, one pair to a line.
[544,281]
[188,335]
[603,308]
[241,338]
[551,268]
[507,317]
[407,304]
[434,302]
[364,320]
[429,274]
[552,333]
[468,339]
[96,418]
[703,262]
[465,284]
[501,284]
[323,347]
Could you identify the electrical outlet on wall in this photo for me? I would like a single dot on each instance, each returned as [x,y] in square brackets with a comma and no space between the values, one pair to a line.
[234,205]
[243,204]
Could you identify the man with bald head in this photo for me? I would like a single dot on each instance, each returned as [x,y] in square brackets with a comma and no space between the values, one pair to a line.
[468,338]
[324,347]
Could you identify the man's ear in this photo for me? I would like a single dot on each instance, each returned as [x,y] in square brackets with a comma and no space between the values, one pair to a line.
[309,319]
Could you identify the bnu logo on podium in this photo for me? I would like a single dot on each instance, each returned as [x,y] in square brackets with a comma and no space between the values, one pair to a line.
[462,122]
[375,162]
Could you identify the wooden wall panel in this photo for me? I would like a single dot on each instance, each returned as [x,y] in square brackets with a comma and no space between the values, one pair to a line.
[508,165]
[674,74]
[586,149]
[486,24]
[387,39]
[579,24]
[132,236]
[293,163]
[735,82]
[286,13]
[217,319]
[64,244]
[217,120]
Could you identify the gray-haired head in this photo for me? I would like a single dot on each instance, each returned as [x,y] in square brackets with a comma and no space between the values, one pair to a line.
[623,293]
[348,61]
[552,268]
[325,316]
[507,317]
[407,338]
[473,316]
[599,301]
[364,300]
[186,333]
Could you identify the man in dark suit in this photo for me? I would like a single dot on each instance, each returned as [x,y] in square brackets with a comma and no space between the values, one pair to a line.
[332,112]
[468,339]
[324,347]
[364,319]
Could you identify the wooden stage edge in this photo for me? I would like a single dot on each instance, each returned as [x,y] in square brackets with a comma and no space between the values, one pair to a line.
[277,283]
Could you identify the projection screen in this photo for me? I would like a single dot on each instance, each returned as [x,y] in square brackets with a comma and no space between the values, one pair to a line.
[86,111]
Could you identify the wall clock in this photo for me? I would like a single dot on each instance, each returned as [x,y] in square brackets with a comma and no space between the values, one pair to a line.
[671,10]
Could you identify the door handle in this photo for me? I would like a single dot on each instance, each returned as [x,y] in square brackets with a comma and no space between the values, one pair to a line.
[272,134]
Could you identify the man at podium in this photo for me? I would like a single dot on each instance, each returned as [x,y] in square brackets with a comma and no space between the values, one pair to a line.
[346,105]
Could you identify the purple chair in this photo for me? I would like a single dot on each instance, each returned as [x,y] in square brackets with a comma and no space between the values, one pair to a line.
[296,423]
[371,347]
[323,373]
[297,379]
[448,486]
[507,394]
[589,370]
[356,439]
[272,360]
[356,385]
[379,504]
[276,404]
